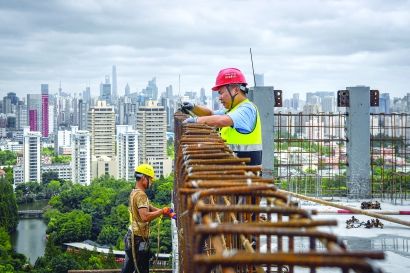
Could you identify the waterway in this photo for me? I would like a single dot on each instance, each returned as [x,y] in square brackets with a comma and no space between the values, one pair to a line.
[30,237]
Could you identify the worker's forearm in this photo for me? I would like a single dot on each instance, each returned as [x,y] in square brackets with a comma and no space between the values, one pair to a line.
[216,120]
[151,208]
[153,214]
[201,111]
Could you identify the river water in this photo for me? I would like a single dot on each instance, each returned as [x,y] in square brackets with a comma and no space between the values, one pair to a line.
[29,239]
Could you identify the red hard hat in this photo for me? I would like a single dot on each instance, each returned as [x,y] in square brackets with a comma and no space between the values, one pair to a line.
[229,76]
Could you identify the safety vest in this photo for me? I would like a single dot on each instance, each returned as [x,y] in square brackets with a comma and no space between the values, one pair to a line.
[243,142]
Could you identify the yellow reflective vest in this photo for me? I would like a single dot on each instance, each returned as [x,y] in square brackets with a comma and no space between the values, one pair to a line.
[243,142]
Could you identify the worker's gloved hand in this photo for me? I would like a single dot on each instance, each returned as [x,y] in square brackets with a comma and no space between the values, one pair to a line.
[173,215]
[190,120]
[166,211]
[186,107]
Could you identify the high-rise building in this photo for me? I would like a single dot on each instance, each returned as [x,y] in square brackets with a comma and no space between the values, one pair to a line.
[33,120]
[114,83]
[81,157]
[34,103]
[105,90]
[202,96]
[328,104]
[21,115]
[169,92]
[51,119]
[127,151]
[216,104]
[127,90]
[32,156]
[82,114]
[44,110]
[152,141]
[295,101]
[101,125]
[151,91]
[384,103]
[87,95]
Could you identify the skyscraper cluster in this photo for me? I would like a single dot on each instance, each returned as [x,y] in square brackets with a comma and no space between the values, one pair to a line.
[107,134]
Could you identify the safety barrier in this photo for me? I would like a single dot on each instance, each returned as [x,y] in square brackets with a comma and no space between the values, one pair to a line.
[230,219]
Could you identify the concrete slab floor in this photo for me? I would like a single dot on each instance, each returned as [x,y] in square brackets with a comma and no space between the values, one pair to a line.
[393,239]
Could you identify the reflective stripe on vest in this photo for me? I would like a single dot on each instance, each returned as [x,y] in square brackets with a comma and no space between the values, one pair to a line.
[243,142]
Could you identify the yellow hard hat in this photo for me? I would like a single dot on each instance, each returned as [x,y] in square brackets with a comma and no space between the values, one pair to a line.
[146,169]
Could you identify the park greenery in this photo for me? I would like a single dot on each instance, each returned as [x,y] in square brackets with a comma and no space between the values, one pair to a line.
[8,158]
[98,212]
[55,158]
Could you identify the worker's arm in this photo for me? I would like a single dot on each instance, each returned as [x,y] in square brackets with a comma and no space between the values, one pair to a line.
[147,215]
[201,111]
[216,120]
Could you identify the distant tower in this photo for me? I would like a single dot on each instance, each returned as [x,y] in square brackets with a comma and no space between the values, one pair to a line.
[82,114]
[202,96]
[87,94]
[295,101]
[44,110]
[151,91]
[105,90]
[127,151]
[152,142]
[101,125]
[21,115]
[32,156]
[32,117]
[34,102]
[127,90]
[81,157]
[328,104]
[169,92]
[114,83]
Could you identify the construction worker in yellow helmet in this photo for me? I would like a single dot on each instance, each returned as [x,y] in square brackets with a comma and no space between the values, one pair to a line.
[141,214]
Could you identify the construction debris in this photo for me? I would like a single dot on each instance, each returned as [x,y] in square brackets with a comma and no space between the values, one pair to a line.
[371,205]
[356,223]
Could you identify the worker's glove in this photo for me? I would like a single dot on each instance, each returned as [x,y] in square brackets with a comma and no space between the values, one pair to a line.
[173,215]
[186,107]
[169,212]
[166,211]
[191,120]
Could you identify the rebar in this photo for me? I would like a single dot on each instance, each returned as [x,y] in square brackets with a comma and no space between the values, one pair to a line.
[223,225]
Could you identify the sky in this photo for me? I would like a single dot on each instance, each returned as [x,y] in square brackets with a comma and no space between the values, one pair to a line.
[299,46]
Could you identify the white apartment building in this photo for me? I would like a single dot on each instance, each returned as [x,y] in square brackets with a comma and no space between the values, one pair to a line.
[64,171]
[152,141]
[127,151]
[104,165]
[64,139]
[101,125]
[18,174]
[31,156]
[81,158]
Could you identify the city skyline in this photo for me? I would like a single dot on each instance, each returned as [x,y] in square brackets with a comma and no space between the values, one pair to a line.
[305,47]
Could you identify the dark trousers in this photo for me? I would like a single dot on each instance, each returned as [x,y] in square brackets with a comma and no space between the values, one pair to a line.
[142,255]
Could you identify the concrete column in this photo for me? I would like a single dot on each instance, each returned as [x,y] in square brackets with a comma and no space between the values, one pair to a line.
[263,97]
[358,145]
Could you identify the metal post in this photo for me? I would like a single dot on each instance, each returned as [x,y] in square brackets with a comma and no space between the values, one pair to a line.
[358,145]
[263,97]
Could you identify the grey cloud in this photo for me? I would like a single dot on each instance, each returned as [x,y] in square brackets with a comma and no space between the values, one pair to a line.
[78,41]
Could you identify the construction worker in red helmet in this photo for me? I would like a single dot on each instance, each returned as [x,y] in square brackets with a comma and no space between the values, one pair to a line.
[240,121]
[141,214]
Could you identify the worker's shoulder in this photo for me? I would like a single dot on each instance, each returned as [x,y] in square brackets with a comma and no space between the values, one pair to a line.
[137,193]
[247,106]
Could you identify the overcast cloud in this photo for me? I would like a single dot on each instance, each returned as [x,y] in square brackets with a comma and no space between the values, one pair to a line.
[300,46]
